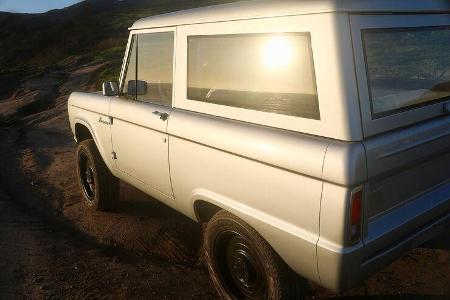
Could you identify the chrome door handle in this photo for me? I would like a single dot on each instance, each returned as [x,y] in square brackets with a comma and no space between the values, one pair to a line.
[162,116]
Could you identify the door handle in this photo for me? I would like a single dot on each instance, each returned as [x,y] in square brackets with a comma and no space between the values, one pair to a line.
[106,120]
[162,116]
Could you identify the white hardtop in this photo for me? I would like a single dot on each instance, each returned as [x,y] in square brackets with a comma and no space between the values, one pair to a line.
[275,8]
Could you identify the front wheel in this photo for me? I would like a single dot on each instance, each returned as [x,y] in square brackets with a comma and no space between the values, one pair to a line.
[242,264]
[100,187]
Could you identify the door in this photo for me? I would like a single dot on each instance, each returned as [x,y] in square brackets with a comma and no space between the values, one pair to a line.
[140,115]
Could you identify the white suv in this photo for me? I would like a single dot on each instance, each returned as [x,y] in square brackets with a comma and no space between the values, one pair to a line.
[312,136]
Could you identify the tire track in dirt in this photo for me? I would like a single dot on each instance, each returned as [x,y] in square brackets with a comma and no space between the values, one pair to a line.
[39,261]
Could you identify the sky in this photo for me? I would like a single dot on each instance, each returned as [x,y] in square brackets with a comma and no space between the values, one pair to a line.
[34,6]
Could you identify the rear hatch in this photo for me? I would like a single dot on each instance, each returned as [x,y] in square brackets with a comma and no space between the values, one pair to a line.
[409,182]
[403,70]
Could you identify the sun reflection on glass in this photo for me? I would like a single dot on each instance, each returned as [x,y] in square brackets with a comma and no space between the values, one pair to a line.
[277,52]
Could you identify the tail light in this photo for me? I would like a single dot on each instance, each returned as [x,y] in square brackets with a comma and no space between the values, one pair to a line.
[356,216]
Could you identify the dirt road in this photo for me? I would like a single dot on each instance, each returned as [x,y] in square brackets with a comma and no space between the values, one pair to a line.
[42,262]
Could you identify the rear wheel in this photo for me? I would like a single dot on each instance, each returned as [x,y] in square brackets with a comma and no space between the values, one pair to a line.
[100,187]
[242,264]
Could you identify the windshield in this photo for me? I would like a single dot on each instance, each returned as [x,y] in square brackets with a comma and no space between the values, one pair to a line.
[407,67]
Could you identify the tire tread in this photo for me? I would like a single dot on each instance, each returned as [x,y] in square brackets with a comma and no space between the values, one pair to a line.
[108,186]
[287,285]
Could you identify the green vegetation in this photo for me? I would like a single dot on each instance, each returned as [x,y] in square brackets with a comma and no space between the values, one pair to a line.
[93,31]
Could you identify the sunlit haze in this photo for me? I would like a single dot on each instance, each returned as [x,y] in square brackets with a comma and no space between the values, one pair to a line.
[34,6]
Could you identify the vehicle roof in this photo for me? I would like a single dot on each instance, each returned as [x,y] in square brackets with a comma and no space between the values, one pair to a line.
[271,8]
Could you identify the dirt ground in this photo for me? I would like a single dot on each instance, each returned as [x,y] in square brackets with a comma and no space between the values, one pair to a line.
[42,261]
[51,247]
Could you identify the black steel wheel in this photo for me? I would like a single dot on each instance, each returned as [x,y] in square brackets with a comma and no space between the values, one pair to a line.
[240,269]
[87,176]
[100,188]
[242,264]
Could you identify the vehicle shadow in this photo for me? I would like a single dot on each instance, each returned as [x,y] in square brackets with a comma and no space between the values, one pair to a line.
[150,227]
[133,202]
[441,241]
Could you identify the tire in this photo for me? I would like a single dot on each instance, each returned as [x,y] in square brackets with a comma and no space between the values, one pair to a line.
[100,188]
[242,264]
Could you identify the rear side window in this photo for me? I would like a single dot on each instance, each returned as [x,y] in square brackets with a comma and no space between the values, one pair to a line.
[272,73]
[406,67]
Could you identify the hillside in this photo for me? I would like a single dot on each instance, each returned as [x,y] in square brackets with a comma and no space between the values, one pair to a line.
[39,51]
[93,30]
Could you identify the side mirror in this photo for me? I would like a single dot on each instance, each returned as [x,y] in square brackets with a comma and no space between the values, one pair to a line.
[110,88]
[137,87]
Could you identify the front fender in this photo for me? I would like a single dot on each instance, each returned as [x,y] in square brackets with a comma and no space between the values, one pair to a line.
[88,110]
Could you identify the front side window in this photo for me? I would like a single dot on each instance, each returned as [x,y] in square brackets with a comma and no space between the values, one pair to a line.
[155,67]
[149,76]
[406,67]
[271,73]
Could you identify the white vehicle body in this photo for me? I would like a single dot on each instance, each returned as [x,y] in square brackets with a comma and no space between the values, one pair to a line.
[291,178]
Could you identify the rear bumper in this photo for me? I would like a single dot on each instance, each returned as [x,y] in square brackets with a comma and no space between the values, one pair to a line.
[386,239]
[424,234]
[345,268]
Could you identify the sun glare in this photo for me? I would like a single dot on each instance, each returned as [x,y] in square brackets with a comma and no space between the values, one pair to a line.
[277,53]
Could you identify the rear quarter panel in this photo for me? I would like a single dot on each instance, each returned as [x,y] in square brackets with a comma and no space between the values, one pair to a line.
[269,178]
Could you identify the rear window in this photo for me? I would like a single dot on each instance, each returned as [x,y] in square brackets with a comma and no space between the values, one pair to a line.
[407,67]
[264,72]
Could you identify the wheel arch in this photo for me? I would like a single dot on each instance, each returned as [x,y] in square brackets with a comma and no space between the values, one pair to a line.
[82,132]
[287,240]
[205,210]
[82,129]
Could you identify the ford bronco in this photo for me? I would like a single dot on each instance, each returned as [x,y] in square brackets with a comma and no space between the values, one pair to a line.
[313,137]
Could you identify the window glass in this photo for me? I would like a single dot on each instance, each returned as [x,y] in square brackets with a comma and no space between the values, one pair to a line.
[407,67]
[265,72]
[155,67]
[130,75]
